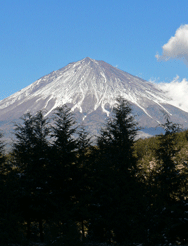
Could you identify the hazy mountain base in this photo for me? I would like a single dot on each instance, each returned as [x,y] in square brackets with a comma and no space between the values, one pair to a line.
[94,120]
[93,127]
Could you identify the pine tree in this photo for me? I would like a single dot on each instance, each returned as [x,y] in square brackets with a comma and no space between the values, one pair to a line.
[3,213]
[64,148]
[30,156]
[167,180]
[117,201]
[10,217]
[63,171]
[82,182]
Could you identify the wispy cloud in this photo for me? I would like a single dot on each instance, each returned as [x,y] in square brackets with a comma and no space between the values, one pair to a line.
[177,46]
[177,91]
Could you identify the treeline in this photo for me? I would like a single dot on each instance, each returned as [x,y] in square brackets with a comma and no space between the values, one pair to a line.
[58,188]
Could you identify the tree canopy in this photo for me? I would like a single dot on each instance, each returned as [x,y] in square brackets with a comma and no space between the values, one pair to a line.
[58,188]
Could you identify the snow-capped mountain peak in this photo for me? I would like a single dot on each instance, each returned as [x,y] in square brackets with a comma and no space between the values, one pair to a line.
[90,88]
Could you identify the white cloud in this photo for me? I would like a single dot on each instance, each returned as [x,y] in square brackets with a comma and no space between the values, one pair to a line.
[178,92]
[177,46]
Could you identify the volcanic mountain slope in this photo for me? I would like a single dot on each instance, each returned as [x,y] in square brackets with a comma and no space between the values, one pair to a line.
[90,88]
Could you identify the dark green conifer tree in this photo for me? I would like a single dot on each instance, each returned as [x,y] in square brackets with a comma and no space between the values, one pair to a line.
[118,198]
[10,218]
[64,148]
[30,156]
[63,173]
[4,229]
[168,179]
[82,181]
[167,186]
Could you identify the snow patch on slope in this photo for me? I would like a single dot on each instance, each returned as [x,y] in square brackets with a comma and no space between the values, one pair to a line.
[90,84]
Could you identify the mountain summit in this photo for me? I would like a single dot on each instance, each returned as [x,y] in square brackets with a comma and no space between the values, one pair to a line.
[90,88]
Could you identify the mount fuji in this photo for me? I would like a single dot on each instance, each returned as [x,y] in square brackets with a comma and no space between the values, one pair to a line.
[90,88]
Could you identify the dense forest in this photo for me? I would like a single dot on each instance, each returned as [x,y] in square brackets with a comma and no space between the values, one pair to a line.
[58,188]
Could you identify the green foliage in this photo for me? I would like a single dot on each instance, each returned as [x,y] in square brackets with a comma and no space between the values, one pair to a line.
[64,148]
[117,193]
[30,158]
[168,179]
[11,229]
[67,176]
[166,187]
[58,234]
[58,188]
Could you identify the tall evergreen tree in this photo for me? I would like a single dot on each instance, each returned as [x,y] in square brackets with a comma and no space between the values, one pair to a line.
[168,179]
[64,148]
[118,201]
[10,218]
[63,171]
[82,180]
[167,185]
[3,204]
[30,152]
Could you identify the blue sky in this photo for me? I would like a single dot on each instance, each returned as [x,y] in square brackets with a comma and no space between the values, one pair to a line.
[38,37]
